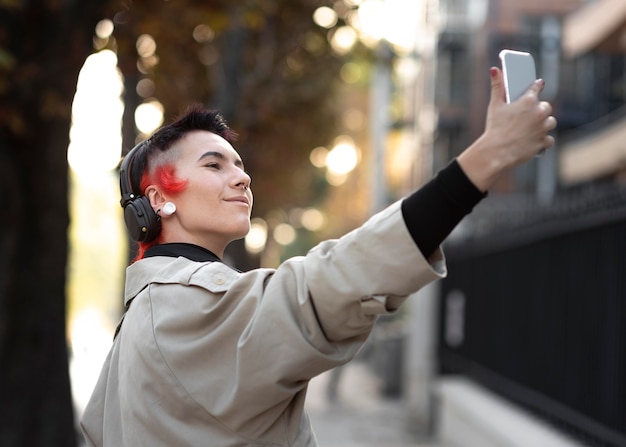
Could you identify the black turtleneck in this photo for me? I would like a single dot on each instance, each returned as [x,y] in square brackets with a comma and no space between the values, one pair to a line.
[176,249]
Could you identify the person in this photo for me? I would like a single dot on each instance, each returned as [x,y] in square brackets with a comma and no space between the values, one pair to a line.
[211,356]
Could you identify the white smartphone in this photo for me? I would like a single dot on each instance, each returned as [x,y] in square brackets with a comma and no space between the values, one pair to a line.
[519,72]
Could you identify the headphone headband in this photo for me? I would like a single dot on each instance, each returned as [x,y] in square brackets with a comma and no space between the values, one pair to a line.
[126,182]
[143,224]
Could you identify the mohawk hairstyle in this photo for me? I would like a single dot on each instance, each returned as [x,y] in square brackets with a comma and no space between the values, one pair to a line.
[196,117]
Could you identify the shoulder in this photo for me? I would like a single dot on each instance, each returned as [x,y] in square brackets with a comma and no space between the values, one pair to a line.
[215,277]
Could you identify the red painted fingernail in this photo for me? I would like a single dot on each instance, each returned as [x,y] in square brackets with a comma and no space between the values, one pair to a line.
[493,71]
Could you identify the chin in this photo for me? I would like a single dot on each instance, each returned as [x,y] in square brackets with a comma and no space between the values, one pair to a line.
[241,234]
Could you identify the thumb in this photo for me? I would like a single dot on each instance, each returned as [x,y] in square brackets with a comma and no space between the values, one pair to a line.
[537,86]
[498,94]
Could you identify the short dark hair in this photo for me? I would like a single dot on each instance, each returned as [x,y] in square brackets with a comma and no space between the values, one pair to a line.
[196,117]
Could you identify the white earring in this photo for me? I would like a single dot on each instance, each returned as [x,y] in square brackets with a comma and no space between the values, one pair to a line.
[169,208]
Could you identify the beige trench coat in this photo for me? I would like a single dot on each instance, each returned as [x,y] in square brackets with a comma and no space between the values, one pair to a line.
[208,356]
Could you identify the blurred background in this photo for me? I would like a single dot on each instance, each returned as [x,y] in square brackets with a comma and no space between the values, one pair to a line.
[341,108]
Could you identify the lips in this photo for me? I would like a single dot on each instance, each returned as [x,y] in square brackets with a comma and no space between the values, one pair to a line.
[239,199]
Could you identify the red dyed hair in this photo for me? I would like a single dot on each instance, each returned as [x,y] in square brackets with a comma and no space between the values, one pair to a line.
[165,178]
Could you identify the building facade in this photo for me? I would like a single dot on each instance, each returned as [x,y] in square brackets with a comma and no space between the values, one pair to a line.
[530,324]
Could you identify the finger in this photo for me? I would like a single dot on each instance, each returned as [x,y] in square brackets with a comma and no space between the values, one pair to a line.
[549,123]
[498,94]
[546,108]
[548,141]
[537,87]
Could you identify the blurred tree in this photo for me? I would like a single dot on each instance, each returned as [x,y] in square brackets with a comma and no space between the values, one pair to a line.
[43,45]
[264,63]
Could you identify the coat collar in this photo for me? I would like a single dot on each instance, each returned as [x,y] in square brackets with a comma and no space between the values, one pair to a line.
[177,249]
[173,263]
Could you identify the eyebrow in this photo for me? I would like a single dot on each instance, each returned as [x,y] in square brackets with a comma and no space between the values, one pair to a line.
[216,154]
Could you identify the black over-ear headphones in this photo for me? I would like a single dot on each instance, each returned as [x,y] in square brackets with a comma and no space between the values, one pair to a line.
[143,224]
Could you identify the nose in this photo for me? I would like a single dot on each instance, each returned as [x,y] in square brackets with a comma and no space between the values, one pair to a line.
[243,181]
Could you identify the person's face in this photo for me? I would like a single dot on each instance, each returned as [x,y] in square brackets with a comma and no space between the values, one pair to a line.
[214,209]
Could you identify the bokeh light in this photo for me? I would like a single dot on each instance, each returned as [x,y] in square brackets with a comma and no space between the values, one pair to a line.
[318,156]
[325,17]
[372,18]
[145,88]
[313,219]
[351,73]
[149,116]
[257,236]
[343,39]
[146,46]
[394,21]
[343,157]
[95,136]
[284,234]
[104,29]
[203,34]
[98,243]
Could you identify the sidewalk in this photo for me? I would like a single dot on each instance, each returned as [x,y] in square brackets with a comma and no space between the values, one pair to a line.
[359,416]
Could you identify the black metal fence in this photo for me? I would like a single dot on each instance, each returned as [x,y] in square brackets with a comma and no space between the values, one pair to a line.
[534,308]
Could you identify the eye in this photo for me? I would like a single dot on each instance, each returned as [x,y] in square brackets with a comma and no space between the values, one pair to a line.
[213,165]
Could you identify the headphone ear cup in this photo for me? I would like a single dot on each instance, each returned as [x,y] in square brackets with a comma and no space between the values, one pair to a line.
[142,222]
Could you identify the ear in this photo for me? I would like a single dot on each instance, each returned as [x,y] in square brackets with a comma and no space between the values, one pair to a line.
[155,197]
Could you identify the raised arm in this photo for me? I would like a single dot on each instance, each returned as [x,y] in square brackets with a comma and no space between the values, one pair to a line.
[514,133]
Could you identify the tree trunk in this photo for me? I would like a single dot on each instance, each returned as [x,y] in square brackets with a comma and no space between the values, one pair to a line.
[43,46]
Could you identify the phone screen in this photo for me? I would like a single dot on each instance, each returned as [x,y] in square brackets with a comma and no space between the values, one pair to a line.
[519,72]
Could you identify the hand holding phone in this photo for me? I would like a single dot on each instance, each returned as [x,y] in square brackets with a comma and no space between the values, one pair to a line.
[519,72]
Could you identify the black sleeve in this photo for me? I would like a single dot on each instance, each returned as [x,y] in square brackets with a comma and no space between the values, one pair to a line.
[432,212]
